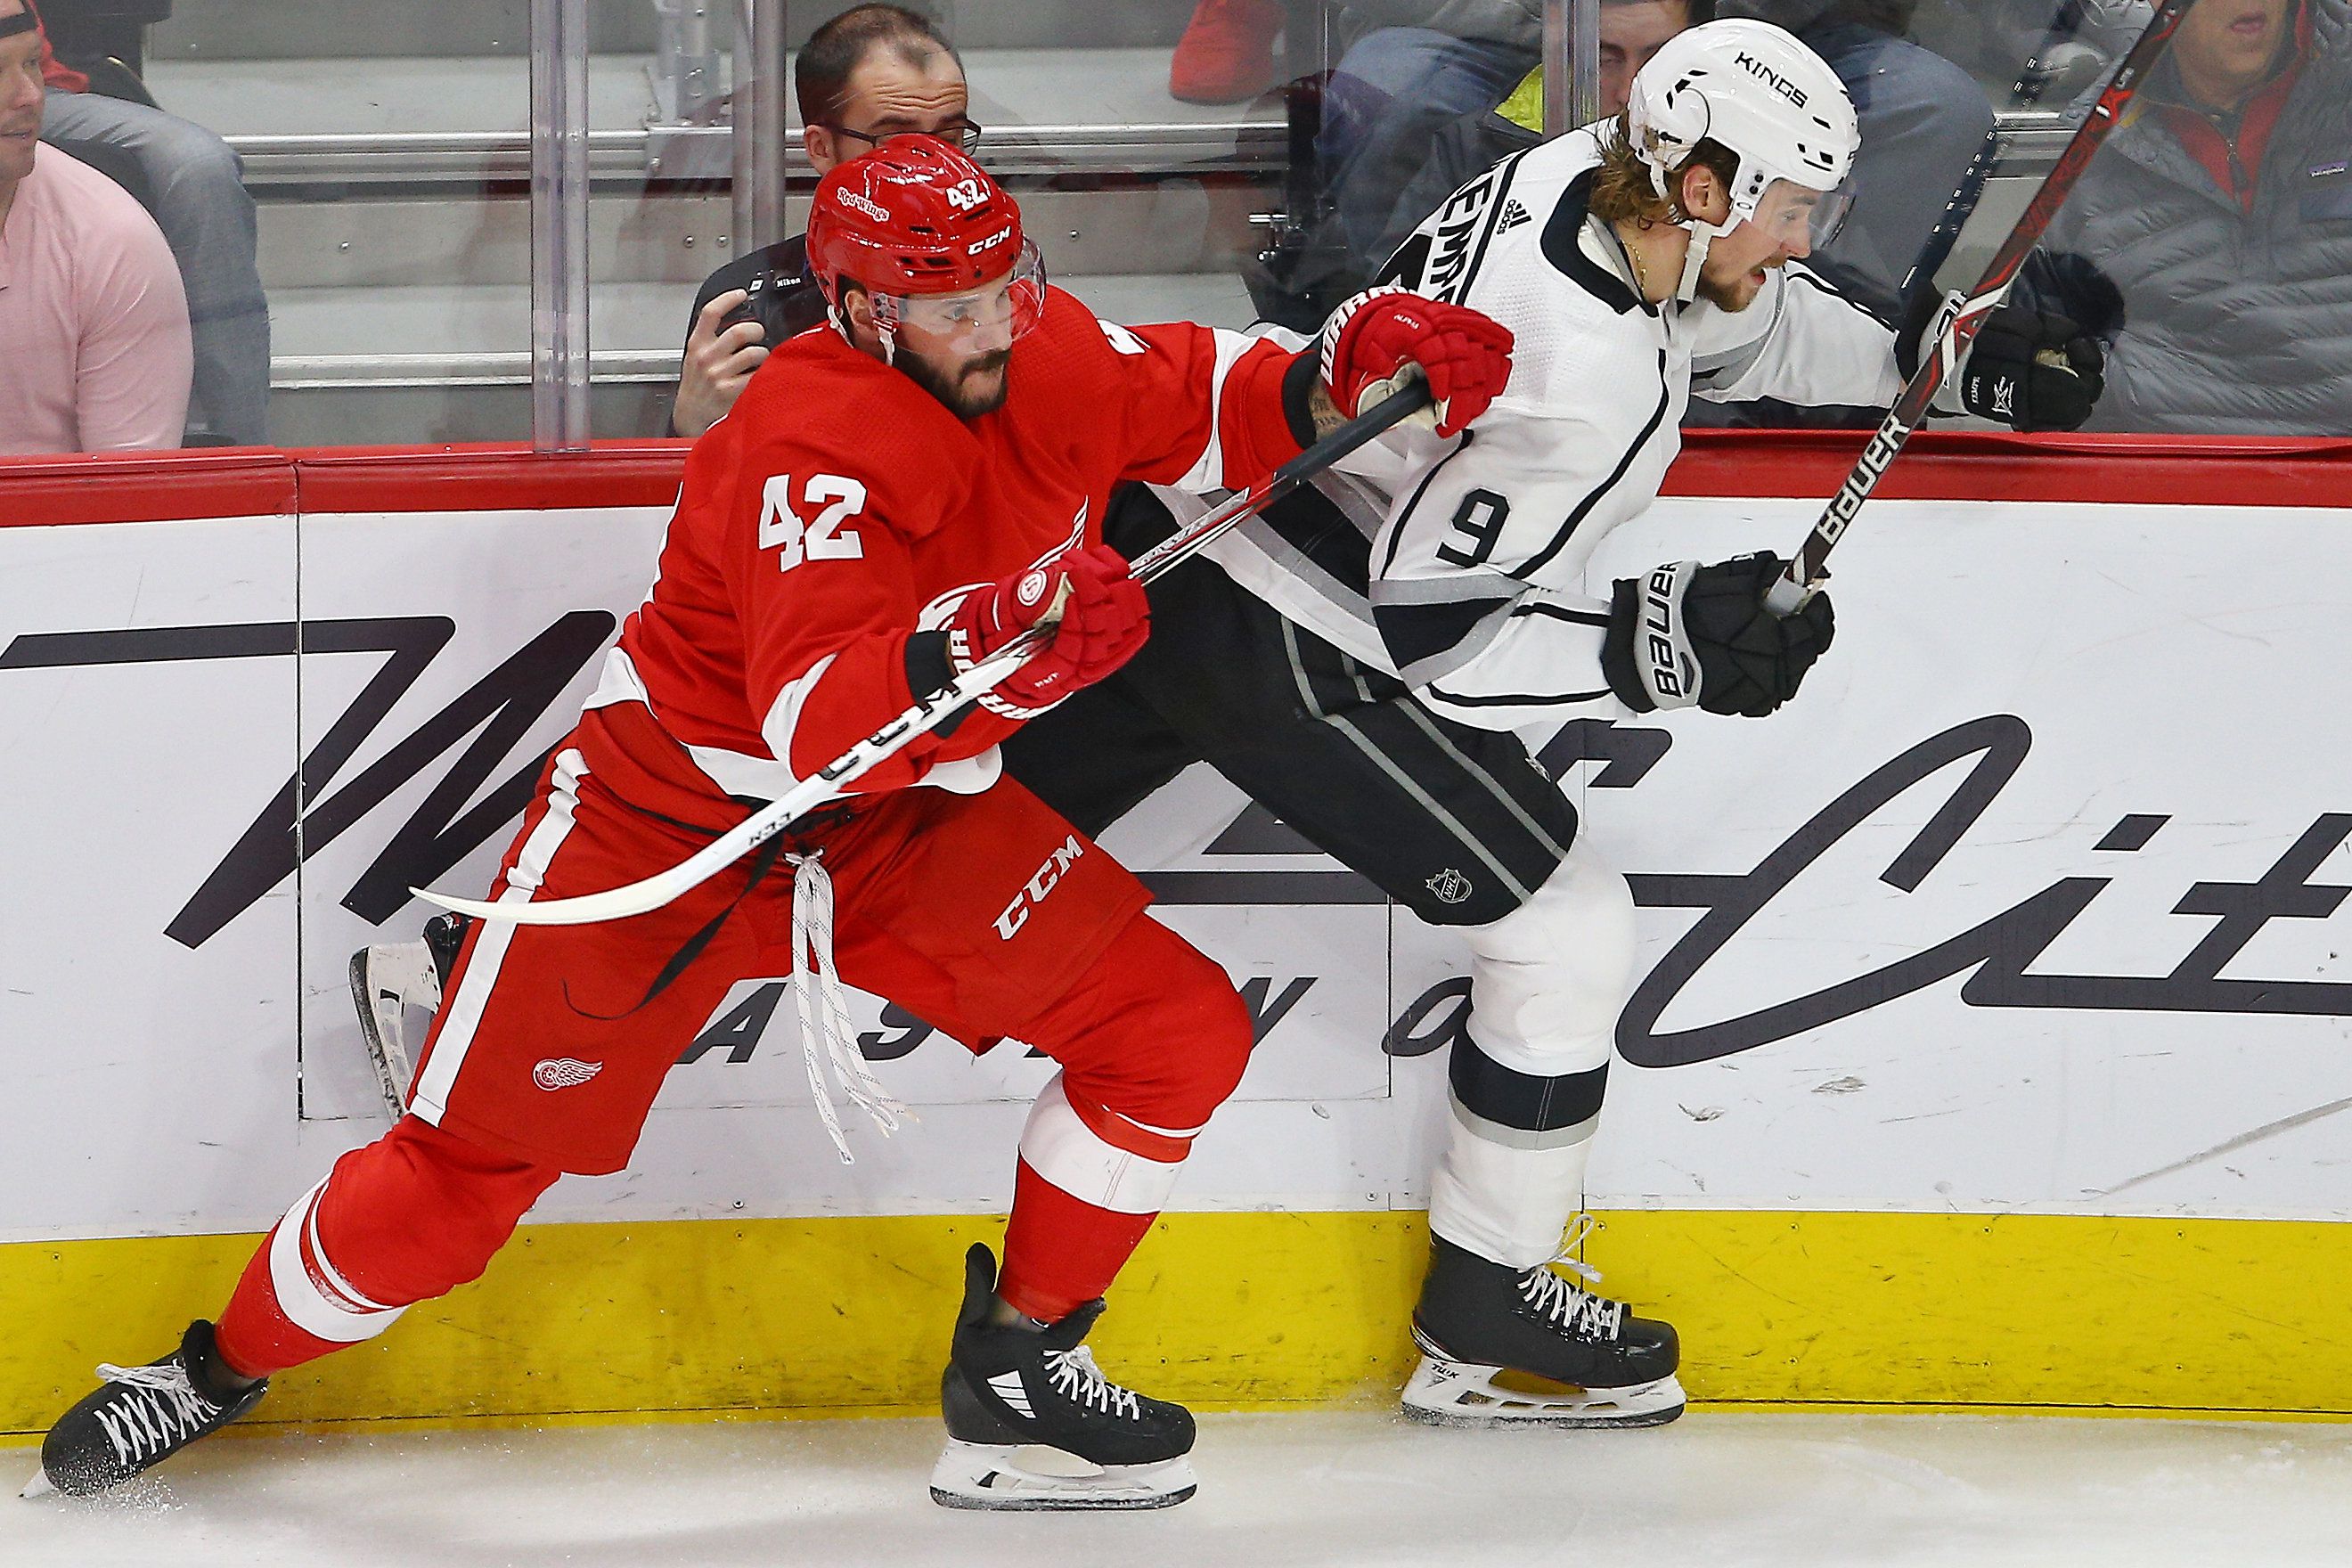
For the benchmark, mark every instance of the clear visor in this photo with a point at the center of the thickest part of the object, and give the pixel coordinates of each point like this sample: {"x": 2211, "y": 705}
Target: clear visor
{"x": 1799, "y": 219}
{"x": 995, "y": 315}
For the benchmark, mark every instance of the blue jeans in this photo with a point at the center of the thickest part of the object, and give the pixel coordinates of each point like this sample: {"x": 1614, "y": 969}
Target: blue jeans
{"x": 1389, "y": 96}
{"x": 1923, "y": 119}
{"x": 196, "y": 188}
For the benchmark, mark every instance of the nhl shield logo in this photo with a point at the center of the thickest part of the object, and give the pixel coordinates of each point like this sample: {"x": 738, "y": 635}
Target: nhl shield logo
{"x": 1450, "y": 885}
{"x": 563, "y": 1072}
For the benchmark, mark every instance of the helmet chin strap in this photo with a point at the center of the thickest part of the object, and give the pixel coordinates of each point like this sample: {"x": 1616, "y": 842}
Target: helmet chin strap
{"x": 882, "y": 329}
{"x": 1703, "y": 236}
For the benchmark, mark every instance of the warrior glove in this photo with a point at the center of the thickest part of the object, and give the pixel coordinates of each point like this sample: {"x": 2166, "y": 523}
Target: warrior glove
{"x": 1380, "y": 342}
{"x": 1103, "y": 619}
{"x": 2026, "y": 370}
{"x": 1685, "y": 634}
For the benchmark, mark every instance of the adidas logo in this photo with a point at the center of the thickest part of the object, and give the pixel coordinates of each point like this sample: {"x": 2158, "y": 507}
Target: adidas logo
{"x": 1513, "y": 215}
{"x": 1008, "y": 1388}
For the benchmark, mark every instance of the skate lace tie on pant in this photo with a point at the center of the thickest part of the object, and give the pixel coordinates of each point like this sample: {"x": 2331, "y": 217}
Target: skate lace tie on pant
{"x": 823, "y": 1013}
{"x": 1571, "y": 1306}
{"x": 1076, "y": 1377}
{"x": 161, "y": 1408}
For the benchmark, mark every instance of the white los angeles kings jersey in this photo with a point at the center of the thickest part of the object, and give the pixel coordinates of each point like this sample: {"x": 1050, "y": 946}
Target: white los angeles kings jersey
{"x": 1459, "y": 565}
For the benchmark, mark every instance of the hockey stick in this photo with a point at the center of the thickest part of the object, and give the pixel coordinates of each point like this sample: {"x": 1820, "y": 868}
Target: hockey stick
{"x": 928, "y": 713}
{"x": 1806, "y": 574}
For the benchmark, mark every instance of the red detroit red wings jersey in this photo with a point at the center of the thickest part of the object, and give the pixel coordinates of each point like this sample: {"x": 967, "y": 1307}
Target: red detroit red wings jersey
{"x": 840, "y": 507}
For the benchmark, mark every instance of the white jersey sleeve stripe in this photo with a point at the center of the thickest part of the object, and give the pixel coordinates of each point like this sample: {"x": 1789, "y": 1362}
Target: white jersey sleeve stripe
{"x": 1209, "y": 472}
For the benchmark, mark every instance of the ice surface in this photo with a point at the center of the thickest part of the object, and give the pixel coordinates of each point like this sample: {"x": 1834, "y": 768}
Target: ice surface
{"x": 1354, "y": 1487}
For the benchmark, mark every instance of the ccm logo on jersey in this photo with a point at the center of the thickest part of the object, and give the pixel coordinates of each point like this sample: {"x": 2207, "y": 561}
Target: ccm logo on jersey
{"x": 1771, "y": 77}
{"x": 1033, "y": 892}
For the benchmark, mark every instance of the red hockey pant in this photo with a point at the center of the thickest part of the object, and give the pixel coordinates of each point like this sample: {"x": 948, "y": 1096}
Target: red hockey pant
{"x": 543, "y": 1059}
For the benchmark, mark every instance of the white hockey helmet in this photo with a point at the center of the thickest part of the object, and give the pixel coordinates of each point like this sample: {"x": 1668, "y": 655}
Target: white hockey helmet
{"x": 1755, "y": 90}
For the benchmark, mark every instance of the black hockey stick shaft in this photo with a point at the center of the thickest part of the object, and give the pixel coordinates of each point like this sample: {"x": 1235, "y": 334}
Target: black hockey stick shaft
{"x": 1188, "y": 541}
{"x": 1810, "y": 569}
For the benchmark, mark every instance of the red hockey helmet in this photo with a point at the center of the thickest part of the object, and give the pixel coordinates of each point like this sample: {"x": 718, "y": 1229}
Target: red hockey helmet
{"x": 933, "y": 241}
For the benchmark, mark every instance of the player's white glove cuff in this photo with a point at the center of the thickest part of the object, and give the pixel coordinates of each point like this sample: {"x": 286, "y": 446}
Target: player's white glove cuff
{"x": 1663, "y": 659}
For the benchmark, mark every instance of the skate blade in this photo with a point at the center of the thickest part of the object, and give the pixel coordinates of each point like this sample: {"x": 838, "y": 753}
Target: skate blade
{"x": 382, "y": 981}
{"x": 1462, "y": 1394}
{"x": 39, "y": 1485}
{"x": 991, "y": 1476}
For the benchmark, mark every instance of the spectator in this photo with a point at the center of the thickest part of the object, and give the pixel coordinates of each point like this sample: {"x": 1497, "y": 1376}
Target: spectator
{"x": 1399, "y": 90}
{"x": 196, "y": 187}
{"x": 873, "y": 71}
{"x": 1226, "y": 55}
{"x": 93, "y": 322}
{"x": 2211, "y": 242}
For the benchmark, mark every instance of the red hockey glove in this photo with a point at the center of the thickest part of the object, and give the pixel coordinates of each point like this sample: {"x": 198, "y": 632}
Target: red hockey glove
{"x": 1383, "y": 339}
{"x": 1104, "y": 619}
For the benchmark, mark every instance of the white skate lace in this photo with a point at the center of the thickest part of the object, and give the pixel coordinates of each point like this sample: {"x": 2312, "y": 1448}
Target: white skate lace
{"x": 824, "y": 1013}
{"x": 160, "y": 1410}
{"x": 1076, "y": 1377}
{"x": 1573, "y": 1308}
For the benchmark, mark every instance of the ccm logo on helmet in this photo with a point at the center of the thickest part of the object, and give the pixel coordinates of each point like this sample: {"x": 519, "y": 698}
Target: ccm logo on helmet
{"x": 1771, "y": 77}
{"x": 992, "y": 242}
{"x": 1032, "y": 892}
{"x": 874, "y": 210}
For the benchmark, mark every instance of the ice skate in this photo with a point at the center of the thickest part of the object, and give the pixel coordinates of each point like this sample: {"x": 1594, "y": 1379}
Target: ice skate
{"x": 1502, "y": 1346}
{"x": 1007, "y": 1389}
{"x": 142, "y": 1415}
{"x": 387, "y": 980}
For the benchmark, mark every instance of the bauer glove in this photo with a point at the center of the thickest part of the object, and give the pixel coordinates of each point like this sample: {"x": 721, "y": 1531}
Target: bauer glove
{"x": 2026, "y": 370}
{"x": 1380, "y": 342}
{"x": 1685, "y": 634}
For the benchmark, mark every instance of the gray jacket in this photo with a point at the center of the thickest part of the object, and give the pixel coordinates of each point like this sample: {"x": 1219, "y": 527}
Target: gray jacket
{"x": 2227, "y": 321}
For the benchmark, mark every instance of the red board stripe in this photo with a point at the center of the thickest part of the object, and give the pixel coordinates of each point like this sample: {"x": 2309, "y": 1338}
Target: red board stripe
{"x": 145, "y": 487}
{"x": 2183, "y": 470}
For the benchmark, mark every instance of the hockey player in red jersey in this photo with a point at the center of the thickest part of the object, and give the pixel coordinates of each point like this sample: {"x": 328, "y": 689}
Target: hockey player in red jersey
{"x": 896, "y": 496}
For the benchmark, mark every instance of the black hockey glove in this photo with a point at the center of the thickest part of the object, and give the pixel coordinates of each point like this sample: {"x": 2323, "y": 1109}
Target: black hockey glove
{"x": 1686, "y": 633}
{"x": 2033, "y": 371}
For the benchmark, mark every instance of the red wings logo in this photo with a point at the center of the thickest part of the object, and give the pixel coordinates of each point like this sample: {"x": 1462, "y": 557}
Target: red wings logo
{"x": 563, "y": 1072}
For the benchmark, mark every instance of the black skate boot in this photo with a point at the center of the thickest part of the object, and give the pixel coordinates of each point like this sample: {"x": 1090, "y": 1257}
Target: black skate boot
{"x": 1571, "y": 1358}
{"x": 142, "y": 1415}
{"x": 1008, "y": 1387}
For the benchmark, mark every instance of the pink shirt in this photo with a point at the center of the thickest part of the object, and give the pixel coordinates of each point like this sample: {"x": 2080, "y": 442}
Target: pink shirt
{"x": 94, "y": 353}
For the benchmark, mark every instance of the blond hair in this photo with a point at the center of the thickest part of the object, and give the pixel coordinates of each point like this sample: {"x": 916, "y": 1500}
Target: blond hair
{"x": 1624, "y": 191}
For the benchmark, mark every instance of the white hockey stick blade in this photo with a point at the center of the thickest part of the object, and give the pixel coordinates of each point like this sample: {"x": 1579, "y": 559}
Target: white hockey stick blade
{"x": 664, "y": 887}
{"x": 667, "y": 887}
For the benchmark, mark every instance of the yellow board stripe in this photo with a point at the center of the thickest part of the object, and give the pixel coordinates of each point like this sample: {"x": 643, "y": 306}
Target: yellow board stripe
{"x": 851, "y": 1316}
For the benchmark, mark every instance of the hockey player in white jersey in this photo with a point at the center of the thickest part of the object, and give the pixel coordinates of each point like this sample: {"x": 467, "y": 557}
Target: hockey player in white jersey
{"x": 1433, "y": 602}
{"x": 1358, "y": 658}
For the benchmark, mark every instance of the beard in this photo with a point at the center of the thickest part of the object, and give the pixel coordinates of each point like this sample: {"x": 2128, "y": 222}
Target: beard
{"x": 1732, "y": 295}
{"x": 976, "y": 386}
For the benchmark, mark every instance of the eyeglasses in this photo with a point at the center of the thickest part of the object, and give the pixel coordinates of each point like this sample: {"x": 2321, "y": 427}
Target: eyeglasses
{"x": 964, "y": 134}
